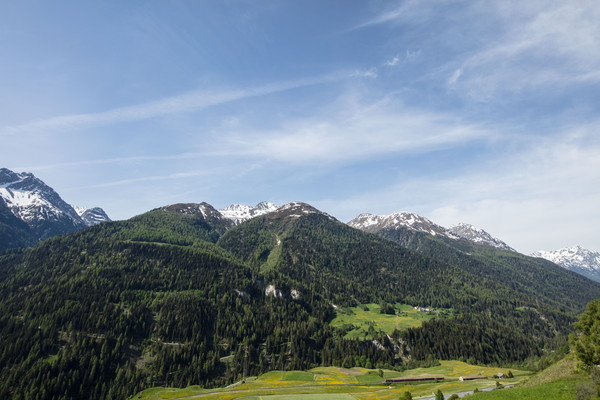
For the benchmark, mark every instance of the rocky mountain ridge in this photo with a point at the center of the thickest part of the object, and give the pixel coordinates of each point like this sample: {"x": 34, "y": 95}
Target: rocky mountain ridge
{"x": 372, "y": 223}
{"x": 478, "y": 235}
{"x": 39, "y": 206}
{"x": 31, "y": 211}
{"x": 376, "y": 223}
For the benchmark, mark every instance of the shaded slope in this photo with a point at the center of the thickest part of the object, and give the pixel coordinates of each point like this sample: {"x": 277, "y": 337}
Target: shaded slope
{"x": 537, "y": 278}
{"x": 13, "y": 231}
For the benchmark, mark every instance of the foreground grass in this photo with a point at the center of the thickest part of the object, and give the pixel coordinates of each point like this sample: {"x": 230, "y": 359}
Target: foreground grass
{"x": 558, "y": 382}
{"x": 562, "y": 389}
{"x": 565, "y": 368}
{"x": 332, "y": 383}
{"x": 361, "y": 321}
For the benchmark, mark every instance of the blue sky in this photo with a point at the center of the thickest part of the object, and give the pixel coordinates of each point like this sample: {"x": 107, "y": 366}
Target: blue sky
{"x": 485, "y": 112}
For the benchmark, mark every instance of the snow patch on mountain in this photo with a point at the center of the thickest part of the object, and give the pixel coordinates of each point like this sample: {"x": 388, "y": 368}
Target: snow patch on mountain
{"x": 239, "y": 213}
{"x": 408, "y": 220}
{"x": 39, "y": 206}
{"x": 297, "y": 209}
{"x": 374, "y": 223}
{"x": 30, "y": 199}
{"x": 92, "y": 216}
{"x": 204, "y": 209}
{"x": 478, "y": 235}
{"x": 575, "y": 258}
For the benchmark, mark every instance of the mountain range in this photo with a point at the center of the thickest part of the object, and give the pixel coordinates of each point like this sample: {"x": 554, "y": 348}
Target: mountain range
{"x": 575, "y": 258}
{"x": 411, "y": 221}
{"x": 31, "y": 211}
{"x": 403, "y": 226}
{"x": 184, "y": 295}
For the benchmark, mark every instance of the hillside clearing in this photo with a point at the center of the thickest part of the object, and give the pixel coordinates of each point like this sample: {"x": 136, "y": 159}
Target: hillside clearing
{"x": 363, "y": 320}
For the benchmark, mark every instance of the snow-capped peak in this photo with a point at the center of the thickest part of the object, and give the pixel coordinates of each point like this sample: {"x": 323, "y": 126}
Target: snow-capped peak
{"x": 408, "y": 220}
{"x": 92, "y": 216}
{"x": 297, "y": 209}
{"x": 573, "y": 258}
{"x": 478, "y": 235}
{"x": 32, "y": 200}
{"x": 239, "y": 213}
{"x": 374, "y": 223}
{"x": 38, "y": 205}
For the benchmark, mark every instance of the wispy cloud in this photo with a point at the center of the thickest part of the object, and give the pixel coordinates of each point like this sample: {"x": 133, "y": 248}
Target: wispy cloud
{"x": 354, "y": 131}
{"x": 112, "y": 161}
{"x": 405, "y": 10}
{"x": 369, "y": 73}
{"x": 152, "y": 178}
{"x": 543, "y": 193}
{"x": 183, "y": 103}
{"x": 545, "y": 43}
{"x": 392, "y": 62}
{"x": 399, "y": 60}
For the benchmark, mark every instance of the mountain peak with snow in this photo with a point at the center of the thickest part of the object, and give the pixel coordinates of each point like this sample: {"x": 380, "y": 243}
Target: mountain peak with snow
{"x": 576, "y": 259}
{"x": 92, "y": 216}
{"x": 477, "y": 235}
{"x": 374, "y": 223}
{"x": 296, "y": 209}
{"x": 40, "y": 207}
{"x": 239, "y": 213}
{"x": 414, "y": 222}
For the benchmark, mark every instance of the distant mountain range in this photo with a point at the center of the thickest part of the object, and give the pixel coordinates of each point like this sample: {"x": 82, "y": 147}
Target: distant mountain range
{"x": 407, "y": 220}
{"x": 399, "y": 226}
{"x": 31, "y": 211}
{"x": 576, "y": 258}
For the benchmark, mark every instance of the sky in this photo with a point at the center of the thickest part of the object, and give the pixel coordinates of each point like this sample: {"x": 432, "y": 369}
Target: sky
{"x": 484, "y": 112}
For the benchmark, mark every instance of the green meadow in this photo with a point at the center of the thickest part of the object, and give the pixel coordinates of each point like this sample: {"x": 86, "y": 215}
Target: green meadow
{"x": 333, "y": 383}
{"x": 361, "y": 321}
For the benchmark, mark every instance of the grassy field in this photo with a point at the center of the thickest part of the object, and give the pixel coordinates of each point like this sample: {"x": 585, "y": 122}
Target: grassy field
{"x": 361, "y": 321}
{"x": 563, "y": 389}
{"x": 332, "y": 383}
{"x": 558, "y": 382}
{"x": 272, "y": 258}
{"x": 304, "y": 397}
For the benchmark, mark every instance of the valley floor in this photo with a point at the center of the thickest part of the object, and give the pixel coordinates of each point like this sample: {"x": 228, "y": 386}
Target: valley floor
{"x": 331, "y": 383}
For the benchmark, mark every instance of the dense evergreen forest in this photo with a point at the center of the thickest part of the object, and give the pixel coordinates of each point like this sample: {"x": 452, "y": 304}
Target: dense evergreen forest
{"x": 178, "y": 298}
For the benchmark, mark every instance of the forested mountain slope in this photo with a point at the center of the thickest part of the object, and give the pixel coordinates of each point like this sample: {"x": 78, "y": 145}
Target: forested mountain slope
{"x": 178, "y": 296}
{"x": 13, "y": 231}
{"x": 349, "y": 266}
{"x": 533, "y": 276}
